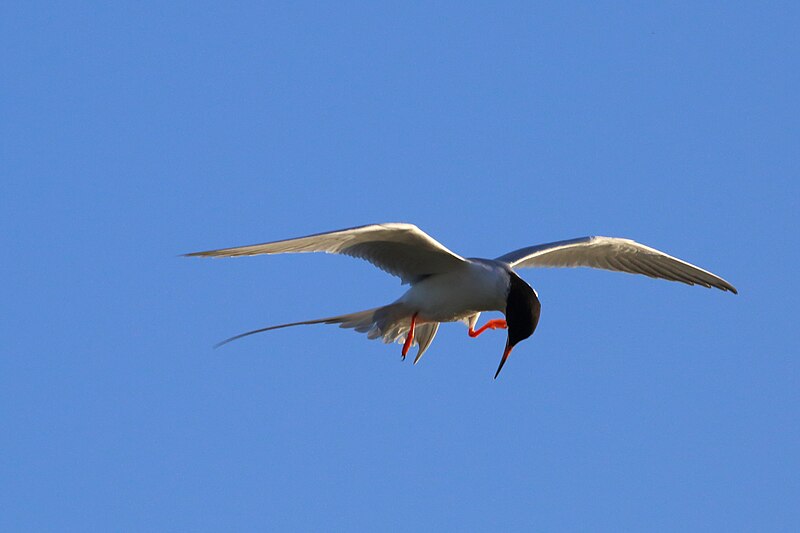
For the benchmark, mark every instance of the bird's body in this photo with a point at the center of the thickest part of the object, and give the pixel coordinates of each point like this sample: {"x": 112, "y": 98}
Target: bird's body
{"x": 445, "y": 287}
{"x": 477, "y": 285}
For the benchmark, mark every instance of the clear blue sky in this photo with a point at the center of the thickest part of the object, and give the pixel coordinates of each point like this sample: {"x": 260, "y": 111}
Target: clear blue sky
{"x": 132, "y": 133}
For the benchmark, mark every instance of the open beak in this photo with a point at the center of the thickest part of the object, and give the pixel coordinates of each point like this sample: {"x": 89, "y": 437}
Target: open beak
{"x": 506, "y": 353}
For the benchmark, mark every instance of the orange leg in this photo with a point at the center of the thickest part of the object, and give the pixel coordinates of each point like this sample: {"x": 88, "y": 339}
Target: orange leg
{"x": 492, "y": 324}
{"x": 407, "y": 344}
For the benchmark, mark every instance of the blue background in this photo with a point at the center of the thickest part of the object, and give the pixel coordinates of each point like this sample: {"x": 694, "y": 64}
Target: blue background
{"x": 132, "y": 133}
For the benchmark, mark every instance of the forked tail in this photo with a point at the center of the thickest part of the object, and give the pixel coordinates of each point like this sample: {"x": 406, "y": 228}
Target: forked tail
{"x": 389, "y": 323}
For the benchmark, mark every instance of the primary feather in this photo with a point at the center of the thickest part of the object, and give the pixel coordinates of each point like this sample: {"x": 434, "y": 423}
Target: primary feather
{"x": 400, "y": 249}
{"x": 612, "y": 253}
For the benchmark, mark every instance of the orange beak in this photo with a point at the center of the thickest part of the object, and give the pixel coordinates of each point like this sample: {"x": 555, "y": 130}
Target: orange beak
{"x": 503, "y": 360}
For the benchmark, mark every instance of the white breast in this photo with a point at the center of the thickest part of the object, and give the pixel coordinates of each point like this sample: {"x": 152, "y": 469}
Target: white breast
{"x": 478, "y": 286}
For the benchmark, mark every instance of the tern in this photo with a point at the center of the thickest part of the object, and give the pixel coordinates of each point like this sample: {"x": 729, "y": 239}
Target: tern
{"x": 445, "y": 287}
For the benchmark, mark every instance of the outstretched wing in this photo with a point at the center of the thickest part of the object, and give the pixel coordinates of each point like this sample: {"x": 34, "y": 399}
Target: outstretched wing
{"x": 400, "y": 249}
{"x": 611, "y": 253}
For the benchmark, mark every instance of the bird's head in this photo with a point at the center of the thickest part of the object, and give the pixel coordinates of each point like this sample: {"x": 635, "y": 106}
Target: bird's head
{"x": 522, "y": 314}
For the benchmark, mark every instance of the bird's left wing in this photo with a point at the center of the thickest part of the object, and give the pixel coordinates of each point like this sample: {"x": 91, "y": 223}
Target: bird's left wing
{"x": 611, "y": 253}
{"x": 400, "y": 249}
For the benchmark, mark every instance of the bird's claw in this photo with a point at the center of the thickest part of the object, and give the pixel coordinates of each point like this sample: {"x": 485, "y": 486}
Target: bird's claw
{"x": 497, "y": 323}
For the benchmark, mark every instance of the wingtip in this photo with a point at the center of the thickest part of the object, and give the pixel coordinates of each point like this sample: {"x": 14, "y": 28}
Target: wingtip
{"x": 725, "y": 287}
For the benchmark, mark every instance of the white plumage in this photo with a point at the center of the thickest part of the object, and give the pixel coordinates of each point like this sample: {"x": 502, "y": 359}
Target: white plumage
{"x": 446, "y": 287}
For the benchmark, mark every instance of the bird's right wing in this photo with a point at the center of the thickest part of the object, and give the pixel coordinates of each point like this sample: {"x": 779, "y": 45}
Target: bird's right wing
{"x": 612, "y": 253}
{"x": 400, "y": 249}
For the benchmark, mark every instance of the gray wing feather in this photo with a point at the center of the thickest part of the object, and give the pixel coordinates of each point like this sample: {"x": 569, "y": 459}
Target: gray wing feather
{"x": 611, "y": 253}
{"x": 400, "y": 249}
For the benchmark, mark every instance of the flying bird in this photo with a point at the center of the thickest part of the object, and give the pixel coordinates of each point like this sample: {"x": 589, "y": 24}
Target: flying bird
{"x": 445, "y": 287}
